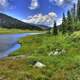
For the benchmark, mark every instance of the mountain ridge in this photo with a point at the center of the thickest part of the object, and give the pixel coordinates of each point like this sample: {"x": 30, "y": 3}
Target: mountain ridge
{"x": 9, "y": 22}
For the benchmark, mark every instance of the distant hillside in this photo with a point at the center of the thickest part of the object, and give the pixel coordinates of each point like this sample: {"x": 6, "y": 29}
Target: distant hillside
{"x": 44, "y": 27}
{"x": 10, "y": 22}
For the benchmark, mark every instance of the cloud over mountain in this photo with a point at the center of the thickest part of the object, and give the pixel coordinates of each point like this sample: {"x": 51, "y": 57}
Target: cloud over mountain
{"x": 42, "y": 19}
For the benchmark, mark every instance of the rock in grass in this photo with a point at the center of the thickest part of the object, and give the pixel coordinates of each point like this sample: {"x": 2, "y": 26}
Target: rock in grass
{"x": 39, "y": 65}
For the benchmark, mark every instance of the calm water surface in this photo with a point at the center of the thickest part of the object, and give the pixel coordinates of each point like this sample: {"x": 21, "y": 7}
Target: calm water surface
{"x": 9, "y": 43}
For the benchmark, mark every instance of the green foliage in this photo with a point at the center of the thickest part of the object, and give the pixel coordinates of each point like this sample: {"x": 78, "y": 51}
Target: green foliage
{"x": 75, "y": 37}
{"x": 49, "y": 31}
{"x": 69, "y": 22}
{"x": 55, "y": 29}
{"x": 72, "y": 22}
{"x": 76, "y": 26}
{"x": 15, "y": 31}
{"x": 78, "y": 10}
{"x": 64, "y": 25}
{"x": 73, "y": 12}
{"x": 37, "y": 48}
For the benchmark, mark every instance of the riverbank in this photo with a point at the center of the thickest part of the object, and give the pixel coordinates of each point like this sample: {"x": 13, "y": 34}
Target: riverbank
{"x": 15, "y": 31}
{"x": 61, "y": 66}
{"x": 9, "y": 42}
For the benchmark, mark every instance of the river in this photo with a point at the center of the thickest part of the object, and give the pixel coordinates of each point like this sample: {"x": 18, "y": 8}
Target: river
{"x": 9, "y": 43}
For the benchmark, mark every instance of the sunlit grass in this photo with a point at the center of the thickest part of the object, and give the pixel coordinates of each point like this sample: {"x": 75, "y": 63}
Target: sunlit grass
{"x": 36, "y": 48}
{"x": 15, "y": 31}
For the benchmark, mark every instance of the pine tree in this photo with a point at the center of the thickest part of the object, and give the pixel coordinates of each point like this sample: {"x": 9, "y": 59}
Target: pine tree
{"x": 74, "y": 16}
{"x": 73, "y": 12}
{"x": 55, "y": 29}
{"x": 78, "y": 10}
{"x": 49, "y": 31}
{"x": 69, "y": 22}
{"x": 64, "y": 25}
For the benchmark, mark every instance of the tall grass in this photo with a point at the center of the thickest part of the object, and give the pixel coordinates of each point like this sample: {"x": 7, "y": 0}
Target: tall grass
{"x": 36, "y": 48}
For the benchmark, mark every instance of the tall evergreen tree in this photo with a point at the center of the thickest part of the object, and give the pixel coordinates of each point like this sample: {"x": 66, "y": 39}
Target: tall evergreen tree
{"x": 69, "y": 22}
{"x": 49, "y": 31}
{"x": 73, "y": 12}
{"x": 64, "y": 25}
{"x": 78, "y": 10}
{"x": 74, "y": 16}
{"x": 55, "y": 29}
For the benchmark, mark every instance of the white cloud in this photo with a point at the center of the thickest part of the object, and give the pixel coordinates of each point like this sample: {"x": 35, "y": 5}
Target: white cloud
{"x": 34, "y": 4}
{"x": 3, "y": 3}
{"x": 59, "y": 21}
{"x": 58, "y": 2}
{"x": 41, "y": 19}
{"x": 62, "y": 2}
{"x": 6, "y": 4}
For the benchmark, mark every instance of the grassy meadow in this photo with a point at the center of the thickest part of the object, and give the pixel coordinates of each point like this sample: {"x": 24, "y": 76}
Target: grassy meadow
{"x": 58, "y": 50}
{"x": 15, "y": 31}
{"x": 64, "y": 66}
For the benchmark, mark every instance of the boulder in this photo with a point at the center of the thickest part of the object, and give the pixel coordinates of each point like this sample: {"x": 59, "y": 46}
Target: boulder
{"x": 39, "y": 65}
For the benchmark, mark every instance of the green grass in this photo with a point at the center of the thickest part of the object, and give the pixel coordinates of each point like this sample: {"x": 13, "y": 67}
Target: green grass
{"x": 60, "y": 67}
{"x": 15, "y": 31}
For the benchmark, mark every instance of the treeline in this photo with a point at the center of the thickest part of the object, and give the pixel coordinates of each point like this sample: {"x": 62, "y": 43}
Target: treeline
{"x": 70, "y": 23}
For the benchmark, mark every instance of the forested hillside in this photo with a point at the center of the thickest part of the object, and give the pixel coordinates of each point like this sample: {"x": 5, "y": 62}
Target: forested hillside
{"x": 10, "y": 22}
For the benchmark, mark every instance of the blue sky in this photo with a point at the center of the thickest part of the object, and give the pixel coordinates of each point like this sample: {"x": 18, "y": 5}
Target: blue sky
{"x": 25, "y": 9}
